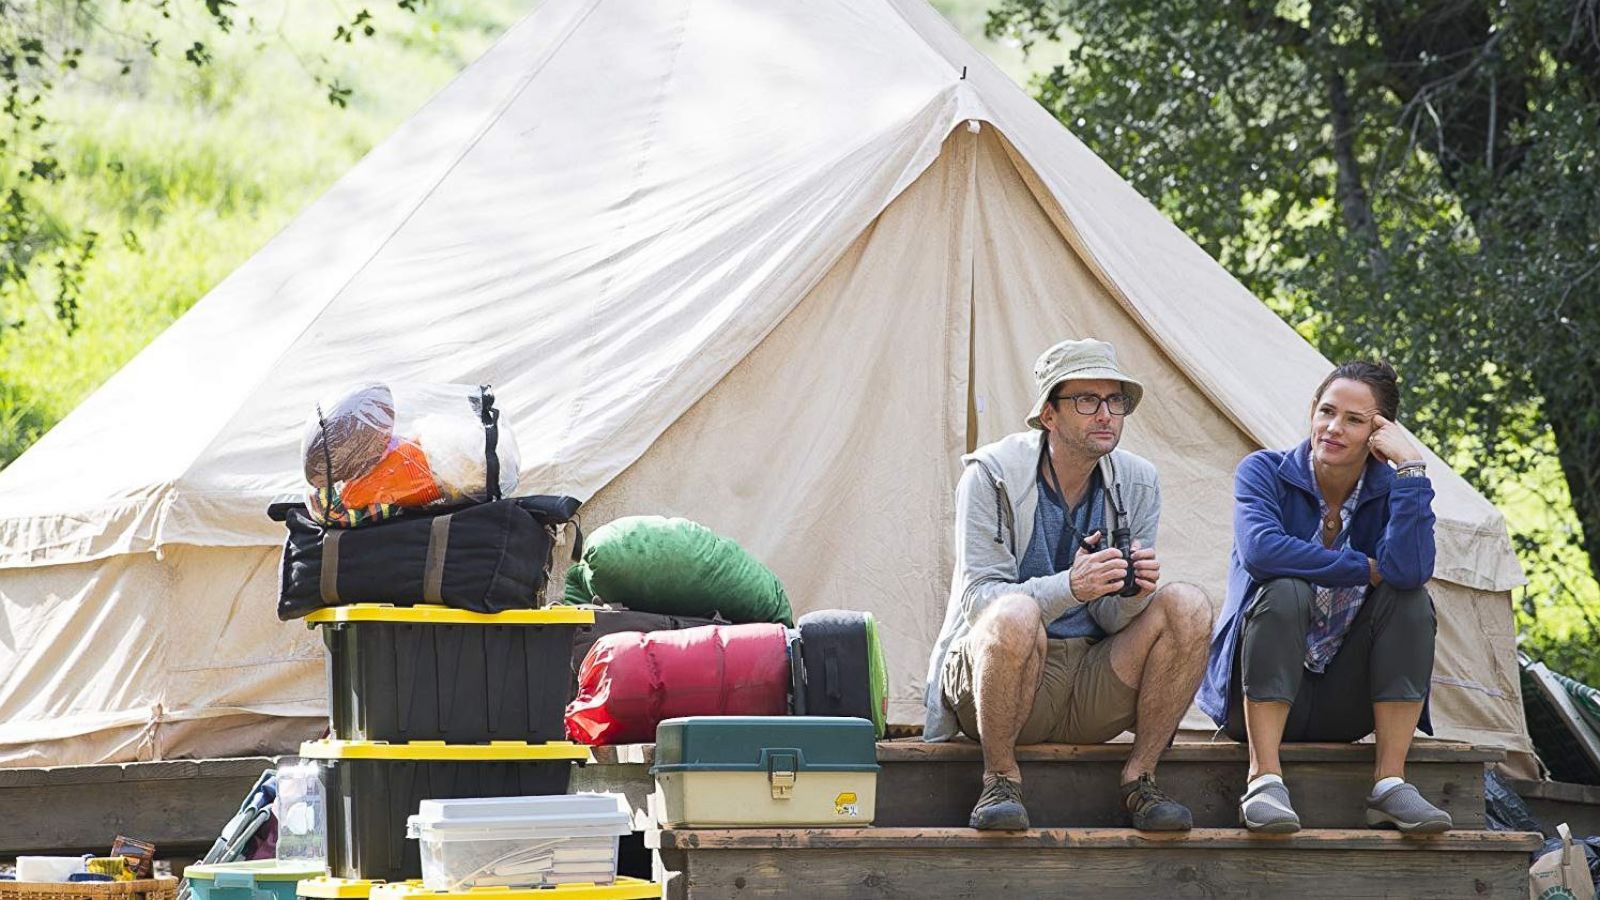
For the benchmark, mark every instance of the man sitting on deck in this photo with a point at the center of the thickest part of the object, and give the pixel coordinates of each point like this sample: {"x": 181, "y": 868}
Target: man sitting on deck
{"x": 1038, "y": 644}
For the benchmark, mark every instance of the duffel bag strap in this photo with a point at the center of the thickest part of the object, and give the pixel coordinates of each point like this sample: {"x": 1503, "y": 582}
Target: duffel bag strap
{"x": 433, "y": 563}
{"x": 491, "y": 440}
{"x": 328, "y": 578}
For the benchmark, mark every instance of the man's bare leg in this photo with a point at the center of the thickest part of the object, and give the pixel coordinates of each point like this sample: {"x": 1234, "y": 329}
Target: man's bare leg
{"x": 1008, "y": 648}
{"x": 1162, "y": 655}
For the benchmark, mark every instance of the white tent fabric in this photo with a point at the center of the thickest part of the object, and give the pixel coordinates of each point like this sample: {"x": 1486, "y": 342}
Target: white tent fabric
{"x": 771, "y": 266}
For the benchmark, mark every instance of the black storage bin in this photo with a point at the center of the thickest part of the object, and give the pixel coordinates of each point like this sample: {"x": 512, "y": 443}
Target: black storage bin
{"x": 433, "y": 673}
{"x": 370, "y": 790}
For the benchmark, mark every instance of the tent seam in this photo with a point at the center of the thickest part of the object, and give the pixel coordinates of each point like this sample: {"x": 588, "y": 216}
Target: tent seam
{"x": 650, "y": 132}
{"x": 823, "y": 270}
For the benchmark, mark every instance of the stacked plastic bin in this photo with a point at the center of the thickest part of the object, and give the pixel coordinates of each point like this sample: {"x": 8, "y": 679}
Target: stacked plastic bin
{"x": 436, "y": 703}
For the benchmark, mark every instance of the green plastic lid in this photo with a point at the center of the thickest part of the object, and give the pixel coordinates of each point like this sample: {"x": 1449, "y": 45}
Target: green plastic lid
{"x": 757, "y": 743}
{"x": 257, "y": 870}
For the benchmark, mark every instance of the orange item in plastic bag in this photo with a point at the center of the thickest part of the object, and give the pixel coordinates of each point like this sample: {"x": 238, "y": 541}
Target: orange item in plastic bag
{"x": 401, "y": 477}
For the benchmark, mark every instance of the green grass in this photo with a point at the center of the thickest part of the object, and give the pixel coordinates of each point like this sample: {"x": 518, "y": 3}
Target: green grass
{"x": 184, "y": 171}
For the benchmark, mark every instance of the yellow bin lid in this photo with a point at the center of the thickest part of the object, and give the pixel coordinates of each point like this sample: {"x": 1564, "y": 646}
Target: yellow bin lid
{"x": 439, "y": 751}
{"x": 328, "y": 888}
{"x": 448, "y": 615}
{"x": 624, "y": 889}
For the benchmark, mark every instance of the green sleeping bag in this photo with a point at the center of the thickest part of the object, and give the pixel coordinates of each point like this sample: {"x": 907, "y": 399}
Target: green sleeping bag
{"x": 675, "y": 567}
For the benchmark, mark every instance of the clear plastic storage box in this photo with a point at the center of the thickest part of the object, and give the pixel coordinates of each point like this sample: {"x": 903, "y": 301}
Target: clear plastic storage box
{"x": 519, "y": 842}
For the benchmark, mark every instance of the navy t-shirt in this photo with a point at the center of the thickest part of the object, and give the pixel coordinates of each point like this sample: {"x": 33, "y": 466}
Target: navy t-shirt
{"x": 1053, "y": 523}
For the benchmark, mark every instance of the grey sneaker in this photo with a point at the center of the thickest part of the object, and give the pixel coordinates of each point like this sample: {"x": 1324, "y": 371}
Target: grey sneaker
{"x": 1266, "y": 809}
{"x": 999, "y": 806}
{"x": 1402, "y": 807}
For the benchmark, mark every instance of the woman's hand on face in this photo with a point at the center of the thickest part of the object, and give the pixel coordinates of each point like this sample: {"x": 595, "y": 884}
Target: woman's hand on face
{"x": 1390, "y": 444}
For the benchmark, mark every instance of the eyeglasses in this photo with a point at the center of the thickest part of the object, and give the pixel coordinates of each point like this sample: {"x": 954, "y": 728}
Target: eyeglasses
{"x": 1089, "y": 404}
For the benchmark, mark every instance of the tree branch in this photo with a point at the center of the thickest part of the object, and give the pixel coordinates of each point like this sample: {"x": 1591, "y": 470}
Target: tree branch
{"x": 1351, "y": 192}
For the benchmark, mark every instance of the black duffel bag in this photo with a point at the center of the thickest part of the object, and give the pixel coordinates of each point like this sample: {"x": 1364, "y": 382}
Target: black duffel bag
{"x": 487, "y": 557}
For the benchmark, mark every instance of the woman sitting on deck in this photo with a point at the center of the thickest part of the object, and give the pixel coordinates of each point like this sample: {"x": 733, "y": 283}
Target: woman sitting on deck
{"x": 1328, "y": 631}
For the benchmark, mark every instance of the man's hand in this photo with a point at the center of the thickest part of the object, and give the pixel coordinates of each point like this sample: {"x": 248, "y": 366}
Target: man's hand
{"x": 1096, "y": 573}
{"x": 1146, "y": 570}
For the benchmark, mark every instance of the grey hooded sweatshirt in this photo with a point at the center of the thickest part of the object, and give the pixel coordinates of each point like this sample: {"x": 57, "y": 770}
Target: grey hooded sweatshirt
{"x": 996, "y": 499}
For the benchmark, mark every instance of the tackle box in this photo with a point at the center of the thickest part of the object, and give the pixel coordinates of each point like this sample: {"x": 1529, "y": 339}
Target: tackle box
{"x": 372, "y": 788}
{"x": 519, "y": 842}
{"x": 760, "y": 771}
{"x": 435, "y": 673}
{"x": 257, "y": 879}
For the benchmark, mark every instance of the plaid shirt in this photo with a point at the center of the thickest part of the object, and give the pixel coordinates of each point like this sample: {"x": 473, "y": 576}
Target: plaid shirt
{"x": 1335, "y": 607}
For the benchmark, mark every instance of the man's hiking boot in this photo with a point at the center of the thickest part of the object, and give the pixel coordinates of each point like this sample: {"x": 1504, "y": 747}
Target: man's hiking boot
{"x": 1402, "y": 807}
{"x": 1153, "y": 810}
{"x": 999, "y": 806}
{"x": 1265, "y": 809}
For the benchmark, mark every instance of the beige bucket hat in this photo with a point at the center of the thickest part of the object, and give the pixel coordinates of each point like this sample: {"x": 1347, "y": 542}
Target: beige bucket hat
{"x": 1085, "y": 360}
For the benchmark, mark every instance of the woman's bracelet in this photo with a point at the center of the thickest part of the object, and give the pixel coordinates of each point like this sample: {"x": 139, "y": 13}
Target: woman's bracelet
{"x": 1415, "y": 468}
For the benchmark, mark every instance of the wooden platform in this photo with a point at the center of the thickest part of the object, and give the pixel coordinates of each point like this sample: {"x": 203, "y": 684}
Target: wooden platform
{"x": 1075, "y": 786}
{"x": 922, "y": 848}
{"x": 1090, "y": 863}
{"x": 1554, "y": 802}
{"x": 179, "y": 805}
{"x": 1081, "y": 846}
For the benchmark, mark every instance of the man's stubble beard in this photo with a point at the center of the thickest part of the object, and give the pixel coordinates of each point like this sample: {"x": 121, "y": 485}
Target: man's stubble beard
{"x": 1080, "y": 446}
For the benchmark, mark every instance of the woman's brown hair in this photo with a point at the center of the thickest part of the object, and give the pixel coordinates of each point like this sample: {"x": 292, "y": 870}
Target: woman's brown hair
{"x": 1380, "y": 377}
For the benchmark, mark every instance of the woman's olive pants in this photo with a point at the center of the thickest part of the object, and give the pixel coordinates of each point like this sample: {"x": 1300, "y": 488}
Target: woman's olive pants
{"x": 1386, "y": 655}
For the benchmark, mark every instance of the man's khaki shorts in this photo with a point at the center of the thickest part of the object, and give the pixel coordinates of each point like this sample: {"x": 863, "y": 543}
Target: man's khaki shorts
{"x": 1079, "y": 701}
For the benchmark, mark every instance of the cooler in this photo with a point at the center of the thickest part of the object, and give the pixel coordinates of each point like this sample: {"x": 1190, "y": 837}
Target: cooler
{"x": 259, "y": 879}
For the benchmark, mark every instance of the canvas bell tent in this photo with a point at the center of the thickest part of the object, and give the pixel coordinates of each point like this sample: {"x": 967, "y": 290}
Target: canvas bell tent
{"x": 770, "y": 266}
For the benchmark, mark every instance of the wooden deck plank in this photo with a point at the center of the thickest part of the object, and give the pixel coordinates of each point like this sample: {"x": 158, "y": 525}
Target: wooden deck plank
{"x": 1085, "y": 792}
{"x": 1203, "y": 839}
{"x": 1268, "y": 872}
{"x": 180, "y": 805}
{"x": 1068, "y": 785}
{"x": 915, "y": 750}
{"x": 1556, "y": 790}
{"x": 1221, "y": 752}
{"x": 1554, "y": 802}
{"x": 164, "y": 770}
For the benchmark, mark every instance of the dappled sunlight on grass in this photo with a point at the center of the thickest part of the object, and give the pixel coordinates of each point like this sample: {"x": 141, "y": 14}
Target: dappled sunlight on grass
{"x": 184, "y": 172}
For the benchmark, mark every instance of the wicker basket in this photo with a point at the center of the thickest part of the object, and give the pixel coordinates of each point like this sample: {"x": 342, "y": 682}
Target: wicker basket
{"x": 142, "y": 889}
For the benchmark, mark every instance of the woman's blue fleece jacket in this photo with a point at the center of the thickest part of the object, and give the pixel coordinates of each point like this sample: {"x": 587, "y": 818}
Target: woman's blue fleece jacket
{"x": 1276, "y": 516}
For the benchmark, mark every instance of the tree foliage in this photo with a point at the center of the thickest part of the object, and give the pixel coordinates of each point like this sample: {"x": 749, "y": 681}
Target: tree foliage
{"x": 1412, "y": 179}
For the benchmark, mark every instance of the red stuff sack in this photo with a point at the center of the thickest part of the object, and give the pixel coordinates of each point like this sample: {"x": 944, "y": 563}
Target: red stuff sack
{"x": 632, "y": 680}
